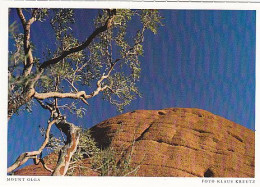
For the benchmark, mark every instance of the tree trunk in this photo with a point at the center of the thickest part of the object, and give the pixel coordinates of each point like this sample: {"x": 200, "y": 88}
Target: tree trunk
{"x": 73, "y": 133}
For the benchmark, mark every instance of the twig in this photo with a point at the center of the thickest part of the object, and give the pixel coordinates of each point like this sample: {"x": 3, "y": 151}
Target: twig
{"x": 45, "y": 166}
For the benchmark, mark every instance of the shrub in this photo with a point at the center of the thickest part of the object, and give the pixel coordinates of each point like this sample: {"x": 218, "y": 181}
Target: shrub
{"x": 105, "y": 162}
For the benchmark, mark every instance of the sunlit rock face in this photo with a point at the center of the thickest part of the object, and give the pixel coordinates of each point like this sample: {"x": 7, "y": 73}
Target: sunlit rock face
{"x": 177, "y": 142}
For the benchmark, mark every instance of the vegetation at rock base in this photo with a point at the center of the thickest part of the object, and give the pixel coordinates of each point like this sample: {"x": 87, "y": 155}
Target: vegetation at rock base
{"x": 105, "y": 162}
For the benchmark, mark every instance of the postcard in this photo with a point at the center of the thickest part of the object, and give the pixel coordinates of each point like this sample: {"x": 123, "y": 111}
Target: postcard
{"x": 129, "y": 93}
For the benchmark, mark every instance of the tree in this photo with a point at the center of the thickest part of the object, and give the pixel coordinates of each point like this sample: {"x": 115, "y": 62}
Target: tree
{"x": 58, "y": 79}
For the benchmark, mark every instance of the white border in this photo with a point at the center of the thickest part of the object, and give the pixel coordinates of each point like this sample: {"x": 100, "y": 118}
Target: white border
{"x": 110, "y": 181}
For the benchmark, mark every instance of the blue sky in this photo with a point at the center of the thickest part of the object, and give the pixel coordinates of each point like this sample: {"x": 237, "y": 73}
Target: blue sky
{"x": 200, "y": 59}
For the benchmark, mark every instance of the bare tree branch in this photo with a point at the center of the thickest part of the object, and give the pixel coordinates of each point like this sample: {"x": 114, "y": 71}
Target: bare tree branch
{"x": 48, "y": 107}
{"x": 78, "y": 95}
{"x": 71, "y": 84}
{"x": 27, "y": 155}
{"x": 84, "y": 45}
{"x": 28, "y": 63}
{"x": 21, "y": 16}
{"x": 40, "y": 160}
{"x": 45, "y": 166}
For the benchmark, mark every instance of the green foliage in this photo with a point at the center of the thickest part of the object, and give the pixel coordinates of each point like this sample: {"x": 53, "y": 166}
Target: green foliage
{"x": 61, "y": 22}
{"x": 87, "y": 146}
{"x": 123, "y": 87}
{"x": 111, "y": 48}
{"x": 107, "y": 164}
{"x": 104, "y": 162}
{"x": 54, "y": 144}
{"x": 12, "y": 28}
{"x": 109, "y": 65}
{"x": 74, "y": 109}
{"x": 17, "y": 57}
{"x": 151, "y": 19}
{"x": 42, "y": 14}
{"x": 115, "y": 46}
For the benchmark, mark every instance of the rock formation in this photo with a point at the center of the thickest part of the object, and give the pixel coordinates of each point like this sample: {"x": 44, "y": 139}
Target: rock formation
{"x": 178, "y": 142}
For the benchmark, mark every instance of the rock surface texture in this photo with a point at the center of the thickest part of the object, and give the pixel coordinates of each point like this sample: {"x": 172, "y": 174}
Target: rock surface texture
{"x": 177, "y": 142}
